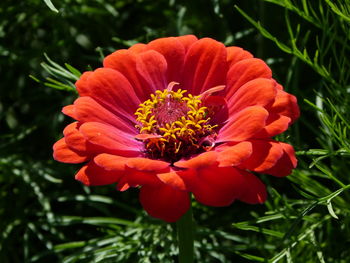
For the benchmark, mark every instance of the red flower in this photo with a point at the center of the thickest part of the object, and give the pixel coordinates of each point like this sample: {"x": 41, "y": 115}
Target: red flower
{"x": 180, "y": 115}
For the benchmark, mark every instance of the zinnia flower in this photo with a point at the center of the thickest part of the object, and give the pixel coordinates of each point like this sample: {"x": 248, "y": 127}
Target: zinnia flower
{"x": 177, "y": 116}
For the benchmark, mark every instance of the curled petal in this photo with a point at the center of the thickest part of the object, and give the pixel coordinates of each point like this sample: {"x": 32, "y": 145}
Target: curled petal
{"x": 285, "y": 164}
{"x": 285, "y": 104}
{"x": 69, "y": 110}
{"x": 265, "y": 154}
{"x": 92, "y": 174}
{"x": 173, "y": 179}
{"x": 145, "y": 164}
{"x": 62, "y": 153}
{"x": 111, "y": 162}
{"x": 164, "y": 202}
{"x": 275, "y": 124}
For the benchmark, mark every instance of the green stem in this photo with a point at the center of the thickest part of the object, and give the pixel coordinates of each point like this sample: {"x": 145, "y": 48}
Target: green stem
{"x": 185, "y": 235}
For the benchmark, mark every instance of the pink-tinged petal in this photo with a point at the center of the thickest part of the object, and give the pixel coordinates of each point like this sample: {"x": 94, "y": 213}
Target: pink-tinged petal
{"x": 92, "y": 174}
{"x": 285, "y": 104}
{"x": 200, "y": 161}
{"x": 69, "y": 110}
{"x": 173, "y": 179}
{"x": 62, "y": 153}
{"x": 244, "y": 124}
{"x": 254, "y": 190}
{"x": 174, "y": 53}
{"x": 146, "y": 165}
{"x": 275, "y": 124}
{"x": 235, "y": 154}
{"x": 265, "y": 155}
{"x": 216, "y": 186}
{"x": 153, "y": 68}
{"x": 111, "y": 162}
{"x": 75, "y": 139}
{"x": 88, "y": 110}
{"x": 110, "y": 139}
{"x": 259, "y": 92}
{"x": 285, "y": 164}
{"x": 164, "y": 202}
{"x": 236, "y": 54}
{"x": 245, "y": 71}
{"x": 187, "y": 41}
{"x": 205, "y": 66}
{"x": 113, "y": 91}
{"x": 125, "y": 62}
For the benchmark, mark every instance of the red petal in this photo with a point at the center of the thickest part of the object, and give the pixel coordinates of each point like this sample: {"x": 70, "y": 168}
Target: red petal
{"x": 88, "y": 110}
{"x": 75, "y": 139}
{"x": 152, "y": 66}
{"x": 254, "y": 190}
{"x": 174, "y": 53}
{"x": 173, "y": 179}
{"x": 92, "y": 174}
{"x": 138, "y": 48}
{"x": 113, "y": 91}
{"x": 146, "y": 165}
{"x": 244, "y": 124}
{"x": 111, "y": 162}
{"x": 205, "y": 66}
{"x": 216, "y": 186}
{"x": 82, "y": 83}
{"x": 125, "y": 62}
{"x": 62, "y": 153}
{"x": 200, "y": 161}
{"x": 275, "y": 124}
{"x": 285, "y": 164}
{"x": 187, "y": 41}
{"x": 234, "y": 155}
{"x": 245, "y": 71}
{"x": 285, "y": 104}
{"x": 69, "y": 110}
{"x": 236, "y": 54}
{"x": 265, "y": 155}
{"x": 110, "y": 139}
{"x": 258, "y": 92}
{"x": 164, "y": 202}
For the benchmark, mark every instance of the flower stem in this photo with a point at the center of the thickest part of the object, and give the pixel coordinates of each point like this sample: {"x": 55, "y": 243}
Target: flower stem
{"x": 185, "y": 235}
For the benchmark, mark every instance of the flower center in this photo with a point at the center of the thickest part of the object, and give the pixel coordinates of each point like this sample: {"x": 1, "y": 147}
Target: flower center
{"x": 174, "y": 125}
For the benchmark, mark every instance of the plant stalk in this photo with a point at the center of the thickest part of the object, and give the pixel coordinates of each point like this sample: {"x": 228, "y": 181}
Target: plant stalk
{"x": 185, "y": 236}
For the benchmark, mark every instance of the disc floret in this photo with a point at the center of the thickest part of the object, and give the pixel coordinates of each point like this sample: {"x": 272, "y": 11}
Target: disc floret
{"x": 177, "y": 125}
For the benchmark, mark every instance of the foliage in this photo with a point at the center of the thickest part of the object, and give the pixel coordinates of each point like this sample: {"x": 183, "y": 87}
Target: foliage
{"x": 45, "y": 215}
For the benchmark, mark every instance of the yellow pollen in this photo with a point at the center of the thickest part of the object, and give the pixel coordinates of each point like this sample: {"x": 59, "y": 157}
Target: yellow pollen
{"x": 180, "y": 122}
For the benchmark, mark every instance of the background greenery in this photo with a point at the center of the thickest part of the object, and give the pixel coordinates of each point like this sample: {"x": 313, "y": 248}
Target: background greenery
{"x": 46, "y": 216}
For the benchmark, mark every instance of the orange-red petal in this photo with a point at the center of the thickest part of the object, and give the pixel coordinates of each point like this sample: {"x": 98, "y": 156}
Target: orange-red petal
{"x": 62, "y": 153}
{"x": 234, "y": 155}
{"x": 205, "y": 66}
{"x": 236, "y": 54}
{"x": 200, "y": 161}
{"x": 92, "y": 174}
{"x": 244, "y": 124}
